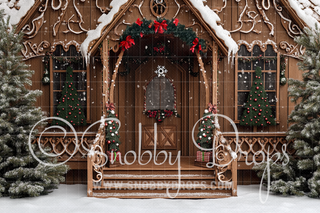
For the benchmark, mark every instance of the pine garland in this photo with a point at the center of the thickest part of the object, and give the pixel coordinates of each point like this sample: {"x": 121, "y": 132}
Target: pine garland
{"x": 146, "y": 27}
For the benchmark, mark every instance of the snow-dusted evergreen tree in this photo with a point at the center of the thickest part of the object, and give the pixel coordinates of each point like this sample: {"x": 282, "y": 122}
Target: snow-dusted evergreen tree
{"x": 302, "y": 174}
{"x": 21, "y": 174}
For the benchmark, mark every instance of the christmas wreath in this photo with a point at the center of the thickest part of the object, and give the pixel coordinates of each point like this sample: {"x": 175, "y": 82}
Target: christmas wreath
{"x": 161, "y": 114}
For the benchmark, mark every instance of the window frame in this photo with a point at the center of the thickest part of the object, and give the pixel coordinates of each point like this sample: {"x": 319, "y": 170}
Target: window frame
{"x": 172, "y": 85}
{"x": 277, "y": 71}
{"x": 52, "y": 71}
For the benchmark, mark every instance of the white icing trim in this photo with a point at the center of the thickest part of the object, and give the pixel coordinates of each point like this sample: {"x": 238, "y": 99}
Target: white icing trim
{"x": 104, "y": 20}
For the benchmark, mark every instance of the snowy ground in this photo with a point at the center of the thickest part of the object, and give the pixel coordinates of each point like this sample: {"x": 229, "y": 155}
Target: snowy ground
{"x": 72, "y": 199}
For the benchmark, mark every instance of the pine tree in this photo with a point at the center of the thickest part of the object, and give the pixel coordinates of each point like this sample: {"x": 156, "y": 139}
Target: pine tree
{"x": 21, "y": 174}
{"x": 112, "y": 135}
{"x": 205, "y": 134}
{"x": 258, "y": 111}
{"x": 69, "y": 106}
{"x": 302, "y": 174}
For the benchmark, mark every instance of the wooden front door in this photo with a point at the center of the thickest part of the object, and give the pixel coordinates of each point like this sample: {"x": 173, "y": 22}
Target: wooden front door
{"x": 155, "y": 92}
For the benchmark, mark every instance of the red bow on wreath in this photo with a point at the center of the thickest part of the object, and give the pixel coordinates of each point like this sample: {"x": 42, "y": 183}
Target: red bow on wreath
{"x": 195, "y": 43}
{"x": 212, "y": 108}
{"x": 110, "y": 106}
{"x": 138, "y": 22}
{"x": 160, "y": 49}
{"x": 176, "y": 21}
{"x": 127, "y": 43}
{"x": 159, "y": 27}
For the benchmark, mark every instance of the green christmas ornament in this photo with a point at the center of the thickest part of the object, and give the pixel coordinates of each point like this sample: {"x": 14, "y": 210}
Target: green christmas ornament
{"x": 257, "y": 111}
{"x": 69, "y": 106}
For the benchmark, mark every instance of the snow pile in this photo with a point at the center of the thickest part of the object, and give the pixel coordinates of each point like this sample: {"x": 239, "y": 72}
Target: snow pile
{"x": 307, "y": 10}
{"x": 73, "y": 198}
{"x": 104, "y": 20}
{"x": 211, "y": 18}
{"x": 9, "y": 7}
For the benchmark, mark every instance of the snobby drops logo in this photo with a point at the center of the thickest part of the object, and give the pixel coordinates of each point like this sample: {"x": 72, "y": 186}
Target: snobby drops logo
{"x": 177, "y": 184}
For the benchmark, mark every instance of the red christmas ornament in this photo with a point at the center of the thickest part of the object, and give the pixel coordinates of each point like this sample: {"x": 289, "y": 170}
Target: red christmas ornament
{"x": 255, "y": 116}
{"x": 267, "y": 105}
{"x": 66, "y": 116}
{"x": 255, "y": 82}
{"x": 261, "y": 124}
{"x": 259, "y": 113}
{"x": 69, "y": 85}
{"x": 141, "y": 35}
{"x": 259, "y": 95}
{"x": 251, "y": 119}
{"x": 248, "y": 112}
{"x": 259, "y": 105}
{"x": 255, "y": 99}
{"x": 260, "y": 83}
{"x": 257, "y": 88}
{"x": 69, "y": 113}
{"x": 266, "y": 119}
{"x": 109, "y": 142}
{"x": 79, "y": 113}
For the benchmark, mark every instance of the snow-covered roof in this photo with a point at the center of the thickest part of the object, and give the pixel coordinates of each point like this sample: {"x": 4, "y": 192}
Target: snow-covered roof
{"x": 209, "y": 16}
{"x": 16, "y": 9}
{"x": 307, "y": 10}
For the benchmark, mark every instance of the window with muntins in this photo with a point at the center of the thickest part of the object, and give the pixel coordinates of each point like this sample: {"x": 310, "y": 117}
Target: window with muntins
{"x": 246, "y": 63}
{"x": 59, "y": 62}
{"x": 160, "y": 94}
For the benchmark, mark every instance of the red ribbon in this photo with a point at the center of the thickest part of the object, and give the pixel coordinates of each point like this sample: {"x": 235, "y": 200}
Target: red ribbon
{"x": 195, "y": 43}
{"x": 212, "y": 108}
{"x": 110, "y": 106}
{"x": 138, "y": 22}
{"x": 160, "y": 49}
{"x": 160, "y": 27}
{"x": 127, "y": 43}
{"x": 176, "y": 21}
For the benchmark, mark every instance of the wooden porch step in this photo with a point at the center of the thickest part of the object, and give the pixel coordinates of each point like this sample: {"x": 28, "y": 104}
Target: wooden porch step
{"x": 152, "y": 181}
{"x": 156, "y": 177}
{"x": 159, "y": 185}
{"x": 162, "y": 193}
{"x": 157, "y": 172}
